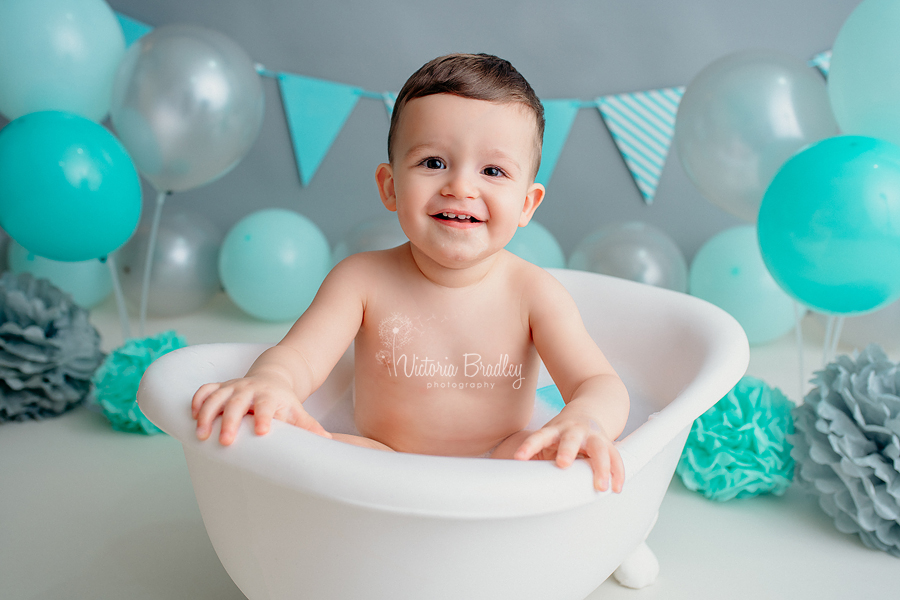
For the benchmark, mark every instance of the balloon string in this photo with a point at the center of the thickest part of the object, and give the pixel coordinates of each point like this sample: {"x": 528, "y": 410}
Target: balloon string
{"x": 120, "y": 298}
{"x": 837, "y": 337}
{"x": 798, "y": 316}
{"x": 148, "y": 263}
{"x": 826, "y": 344}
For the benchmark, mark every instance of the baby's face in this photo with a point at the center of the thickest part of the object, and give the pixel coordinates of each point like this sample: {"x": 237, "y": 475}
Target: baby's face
{"x": 462, "y": 177}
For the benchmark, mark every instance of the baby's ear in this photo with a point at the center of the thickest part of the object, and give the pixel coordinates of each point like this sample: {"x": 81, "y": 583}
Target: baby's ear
{"x": 384, "y": 178}
{"x": 533, "y": 199}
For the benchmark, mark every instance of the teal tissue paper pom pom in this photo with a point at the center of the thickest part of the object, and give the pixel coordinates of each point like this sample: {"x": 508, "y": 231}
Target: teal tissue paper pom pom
{"x": 115, "y": 384}
{"x": 847, "y": 446}
{"x": 739, "y": 447}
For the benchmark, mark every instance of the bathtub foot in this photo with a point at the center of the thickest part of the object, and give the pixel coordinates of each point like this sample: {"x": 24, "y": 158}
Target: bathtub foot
{"x": 638, "y": 570}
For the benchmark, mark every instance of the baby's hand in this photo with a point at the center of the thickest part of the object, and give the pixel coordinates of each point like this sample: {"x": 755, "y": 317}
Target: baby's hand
{"x": 265, "y": 397}
{"x": 566, "y": 438}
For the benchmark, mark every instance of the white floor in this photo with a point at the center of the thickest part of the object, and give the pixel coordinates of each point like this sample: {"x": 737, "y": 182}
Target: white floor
{"x": 89, "y": 513}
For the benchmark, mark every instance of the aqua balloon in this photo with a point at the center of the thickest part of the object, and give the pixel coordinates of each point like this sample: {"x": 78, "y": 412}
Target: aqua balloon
{"x": 536, "y": 244}
{"x": 728, "y": 271}
{"x": 829, "y": 225}
{"x": 863, "y": 78}
{"x": 272, "y": 262}
{"x": 741, "y": 118}
{"x": 88, "y": 282}
{"x": 68, "y": 189}
{"x": 58, "y": 55}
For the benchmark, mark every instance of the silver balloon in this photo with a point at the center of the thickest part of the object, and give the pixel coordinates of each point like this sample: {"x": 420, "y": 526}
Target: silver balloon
{"x": 374, "y": 234}
{"x": 635, "y": 251}
{"x": 185, "y": 272}
{"x": 741, "y": 118}
{"x": 188, "y": 104}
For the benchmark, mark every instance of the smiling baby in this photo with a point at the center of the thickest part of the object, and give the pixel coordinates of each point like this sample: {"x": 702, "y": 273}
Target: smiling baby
{"x": 450, "y": 328}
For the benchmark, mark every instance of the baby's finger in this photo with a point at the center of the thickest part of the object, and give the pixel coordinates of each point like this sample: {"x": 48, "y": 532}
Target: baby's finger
{"x": 569, "y": 446}
{"x": 201, "y": 395}
{"x": 617, "y": 469}
{"x": 303, "y": 419}
{"x": 537, "y": 441}
{"x": 598, "y": 456}
{"x": 233, "y": 413}
{"x": 211, "y": 408}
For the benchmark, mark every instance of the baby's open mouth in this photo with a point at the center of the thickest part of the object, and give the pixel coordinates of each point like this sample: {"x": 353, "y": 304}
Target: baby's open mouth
{"x": 449, "y": 216}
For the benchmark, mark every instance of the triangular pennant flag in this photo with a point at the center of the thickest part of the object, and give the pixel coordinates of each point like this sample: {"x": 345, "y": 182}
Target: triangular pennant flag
{"x": 390, "y": 98}
{"x": 316, "y": 111}
{"x": 642, "y": 125}
{"x": 821, "y": 61}
{"x": 131, "y": 28}
{"x": 558, "y": 118}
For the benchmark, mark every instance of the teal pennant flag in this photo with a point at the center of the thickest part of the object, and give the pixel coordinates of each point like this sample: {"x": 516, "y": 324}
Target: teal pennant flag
{"x": 821, "y": 61}
{"x": 642, "y": 125}
{"x": 131, "y": 28}
{"x": 558, "y": 118}
{"x": 316, "y": 111}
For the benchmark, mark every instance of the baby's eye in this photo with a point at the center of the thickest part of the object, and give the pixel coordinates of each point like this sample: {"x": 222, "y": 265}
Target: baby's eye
{"x": 493, "y": 172}
{"x": 433, "y": 163}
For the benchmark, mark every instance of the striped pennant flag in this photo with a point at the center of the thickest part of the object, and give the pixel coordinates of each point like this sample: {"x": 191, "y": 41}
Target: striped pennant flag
{"x": 821, "y": 61}
{"x": 642, "y": 125}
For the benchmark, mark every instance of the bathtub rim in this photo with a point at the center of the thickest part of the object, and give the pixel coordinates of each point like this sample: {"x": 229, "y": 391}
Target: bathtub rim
{"x": 443, "y": 486}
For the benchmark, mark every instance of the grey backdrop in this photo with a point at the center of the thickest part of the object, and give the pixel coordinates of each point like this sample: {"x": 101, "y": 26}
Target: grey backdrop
{"x": 566, "y": 49}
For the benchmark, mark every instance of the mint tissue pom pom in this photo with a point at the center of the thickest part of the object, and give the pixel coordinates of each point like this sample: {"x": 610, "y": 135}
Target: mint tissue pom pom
{"x": 739, "y": 447}
{"x": 116, "y": 381}
{"x": 847, "y": 446}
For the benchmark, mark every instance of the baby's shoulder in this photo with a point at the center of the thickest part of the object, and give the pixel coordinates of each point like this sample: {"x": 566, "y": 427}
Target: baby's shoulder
{"x": 367, "y": 264}
{"x": 538, "y": 287}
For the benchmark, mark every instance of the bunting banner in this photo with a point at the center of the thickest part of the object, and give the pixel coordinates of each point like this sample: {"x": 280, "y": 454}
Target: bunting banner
{"x": 131, "y": 28}
{"x": 642, "y": 125}
{"x": 821, "y": 61}
{"x": 558, "y": 118}
{"x": 316, "y": 111}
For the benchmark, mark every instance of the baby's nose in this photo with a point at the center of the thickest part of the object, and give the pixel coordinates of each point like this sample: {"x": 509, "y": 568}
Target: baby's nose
{"x": 460, "y": 185}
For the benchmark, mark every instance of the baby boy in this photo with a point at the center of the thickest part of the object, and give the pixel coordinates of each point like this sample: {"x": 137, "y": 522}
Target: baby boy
{"x": 450, "y": 328}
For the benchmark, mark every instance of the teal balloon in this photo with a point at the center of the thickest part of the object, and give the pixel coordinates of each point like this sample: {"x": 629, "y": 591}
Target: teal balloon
{"x": 829, "y": 225}
{"x": 88, "y": 282}
{"x": 272, "y": 263}
{"x": 537, "y": 245}
{"x": 728, "y": 271}
{"x": 68, "y": 189}
{"x": 58, "y": 55}
{"x": 863, "y": 78}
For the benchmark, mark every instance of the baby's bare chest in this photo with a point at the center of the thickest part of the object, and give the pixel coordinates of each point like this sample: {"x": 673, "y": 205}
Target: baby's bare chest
{"x": 452, "y": 341}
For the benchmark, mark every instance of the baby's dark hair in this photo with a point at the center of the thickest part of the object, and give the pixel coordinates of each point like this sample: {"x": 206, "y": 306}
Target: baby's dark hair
{"x": 476, "y": 76}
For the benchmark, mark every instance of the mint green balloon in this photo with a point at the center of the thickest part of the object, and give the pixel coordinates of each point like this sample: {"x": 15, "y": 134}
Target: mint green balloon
{"x": 536, "y": 244}
{"x": 829, "y": 225}
{"x": 68, "y": 189}
{"x": 88, "y": 282}
{"x": 728, "y": 271}
{"x": 863, "y": 78}
{"x": 272, "y": 263}
{"x": 58, "y": 55}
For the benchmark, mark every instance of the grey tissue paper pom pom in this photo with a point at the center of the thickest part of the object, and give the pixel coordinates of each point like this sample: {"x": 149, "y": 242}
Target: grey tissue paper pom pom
{"x": 48, "y": 349}
{"x": 847, "y": 446}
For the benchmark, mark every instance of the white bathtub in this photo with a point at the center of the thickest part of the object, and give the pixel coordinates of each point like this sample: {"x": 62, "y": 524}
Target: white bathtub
{"x": 294, "y": 515}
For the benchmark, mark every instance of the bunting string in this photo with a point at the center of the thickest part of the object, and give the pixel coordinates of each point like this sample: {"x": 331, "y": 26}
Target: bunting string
{"x": 642, "y": 124}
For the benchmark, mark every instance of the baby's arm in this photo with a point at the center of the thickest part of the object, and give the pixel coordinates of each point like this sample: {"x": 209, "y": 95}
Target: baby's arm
{"x": 596, "y": 399}
{"x": 281, "y": 379}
